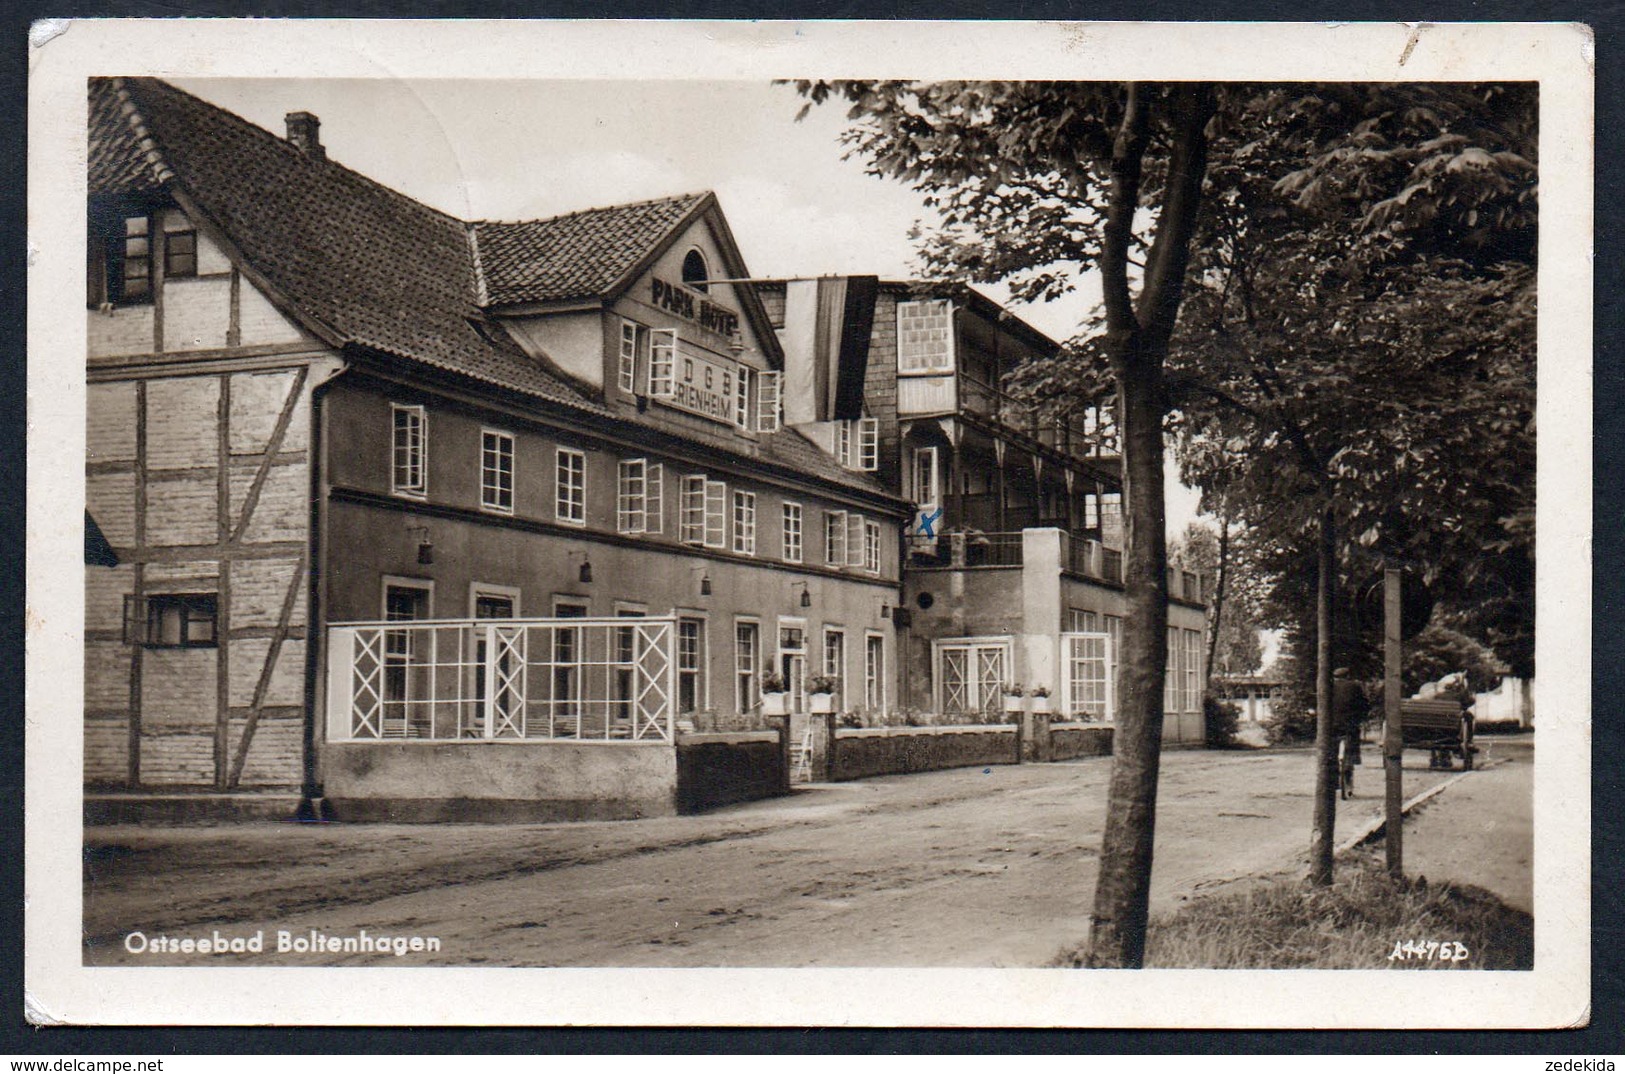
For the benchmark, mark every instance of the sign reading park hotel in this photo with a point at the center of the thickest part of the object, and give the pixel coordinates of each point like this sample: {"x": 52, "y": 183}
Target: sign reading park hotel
{"x": 699, "y": 385}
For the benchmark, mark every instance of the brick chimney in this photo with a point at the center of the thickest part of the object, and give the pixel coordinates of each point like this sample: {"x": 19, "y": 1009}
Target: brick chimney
{"x": 304, "y": 134}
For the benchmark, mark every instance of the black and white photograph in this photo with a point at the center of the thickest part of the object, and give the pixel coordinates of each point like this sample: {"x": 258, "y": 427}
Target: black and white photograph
{"x": 637, "y": 499}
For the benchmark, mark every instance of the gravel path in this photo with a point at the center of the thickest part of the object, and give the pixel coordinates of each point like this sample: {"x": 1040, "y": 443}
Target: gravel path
{"x": 971, "y": 867}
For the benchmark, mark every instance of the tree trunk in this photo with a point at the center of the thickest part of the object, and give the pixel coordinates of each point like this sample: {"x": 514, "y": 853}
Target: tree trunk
{"x": 1122, "y": 892}
{"x": 1320, "y": 843}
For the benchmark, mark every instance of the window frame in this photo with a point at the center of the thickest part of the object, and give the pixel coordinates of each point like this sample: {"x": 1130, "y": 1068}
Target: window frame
{"x": 835, "y": 633}
{"x": 871, "y": 546}
{"x": 874, "y": 671}
{"x": 702, "y": 687}
{"x": 835, "y": 527}
{"x": 946, "y": 309}
{"x": 788, "y": 509}
{"x": 140, "y": 613}
{"x": 486, "y": 486}
{"x": 747, "y": 676}
{"x": 570, "y": 496}
{"x": 744, "y": 518}
{"x": 416, "y": 454}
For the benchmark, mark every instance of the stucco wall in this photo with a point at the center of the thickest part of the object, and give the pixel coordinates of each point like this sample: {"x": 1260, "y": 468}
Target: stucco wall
{"x": 424, "y": 781}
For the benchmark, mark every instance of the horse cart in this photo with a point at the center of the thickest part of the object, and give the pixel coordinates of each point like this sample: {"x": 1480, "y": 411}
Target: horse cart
{"x": 1440, "y": 726}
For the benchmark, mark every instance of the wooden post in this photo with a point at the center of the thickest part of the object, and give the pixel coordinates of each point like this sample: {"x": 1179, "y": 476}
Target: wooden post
{"x": 1393, "y": 741}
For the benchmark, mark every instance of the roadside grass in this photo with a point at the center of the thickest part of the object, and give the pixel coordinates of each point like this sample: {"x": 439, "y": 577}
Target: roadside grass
{"x": 1354, "y": 924}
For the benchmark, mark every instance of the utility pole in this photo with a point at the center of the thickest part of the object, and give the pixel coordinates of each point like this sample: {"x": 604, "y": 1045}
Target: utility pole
{"x": 1393, "y": 742}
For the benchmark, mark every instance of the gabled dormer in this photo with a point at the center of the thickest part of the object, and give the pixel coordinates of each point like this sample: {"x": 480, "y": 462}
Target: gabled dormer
{"x": 647, "y": 306}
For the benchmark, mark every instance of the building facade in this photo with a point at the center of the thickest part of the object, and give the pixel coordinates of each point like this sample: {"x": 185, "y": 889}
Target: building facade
{"x": 397, "y": 509}
{"x": 1013, "y": 554}
{"x": 318, "y": 408}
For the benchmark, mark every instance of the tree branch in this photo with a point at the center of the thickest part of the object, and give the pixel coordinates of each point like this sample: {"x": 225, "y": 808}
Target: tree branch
{"x": 1128, "y": 158}
{"x": 1176, "y": 223}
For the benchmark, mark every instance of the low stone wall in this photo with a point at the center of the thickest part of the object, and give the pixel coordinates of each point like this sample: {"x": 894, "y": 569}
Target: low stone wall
{"x": 1071, "y": 740}
{"x": 722, "y": 768}
{"x": 862, "y": 752}
{"x": 499, "y": 781}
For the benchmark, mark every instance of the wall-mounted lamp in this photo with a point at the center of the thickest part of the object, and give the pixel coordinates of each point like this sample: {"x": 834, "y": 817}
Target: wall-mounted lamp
{"x": 806, "y": 597}
{"x": 705, "y": 585}
{"x": 425, "y": 545}
{"x": 885, "y": 611}
{"x": 736, "y": 344}
{"x": 585, "y": 573}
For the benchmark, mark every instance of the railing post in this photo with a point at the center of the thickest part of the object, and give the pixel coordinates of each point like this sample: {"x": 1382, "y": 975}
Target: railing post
{"x": 488, "y": 702}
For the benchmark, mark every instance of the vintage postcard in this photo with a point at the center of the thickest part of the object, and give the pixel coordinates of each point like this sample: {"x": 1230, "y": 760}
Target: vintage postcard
{"x": 638, "y": 523}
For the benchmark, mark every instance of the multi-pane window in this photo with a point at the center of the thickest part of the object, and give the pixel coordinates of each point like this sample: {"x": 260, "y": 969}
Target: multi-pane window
{"x": 855, "y": 532}
{"x": 792, "y": 532}
{"x": 691, "y": 510}
{"x": 132, "y": 278}
{"x": 638, "y": 496}
{"x": 744, "y": 397}
{"x": 745, "y": 523}
{"x": 180, "y": 254}
{"x": 835, "y": 663}
{"x": 634, "y": 350}
{"x": 747, "y": 653}
{"x": 662, "y": 361}
{"x": 1114, "y": 655}
{"x": 1171, "y": 680}
{"x": 171, "y": 621}
{"x": 1193, "y": 670}
{"x": 690, "y": 664}
{"x": 409, "y": 474}
{"x": 702, "y": 512}
{"x": 925, "y": 337}
{"x": 571, "y": 501}
{"x": 835, "y": 538}
{"x": 874, "y": 672}
{"x": 857, "y": 443}
{"x": 496, "y": 471}
{"x": 925, "y": 491}
{"x": 767, "y": 402}
{"x": 871, "y": 546}
{"x": 1082, "y": 622}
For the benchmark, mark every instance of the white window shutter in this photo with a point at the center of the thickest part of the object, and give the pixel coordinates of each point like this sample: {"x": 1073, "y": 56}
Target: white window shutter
{"x": 843, "y": 443}
{"x": 835, "y": 538}
{"x": 767, "y": 401}
{"x": 654, "y": 497}
{"x": 662, "y": 361}
{"x": 716, "y": 514}
{"x": 854, "y": 540}
{"x": 742, "y": 400}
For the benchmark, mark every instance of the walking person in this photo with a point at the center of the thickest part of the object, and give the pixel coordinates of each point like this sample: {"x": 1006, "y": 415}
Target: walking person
{"x": 1349, "y": 711}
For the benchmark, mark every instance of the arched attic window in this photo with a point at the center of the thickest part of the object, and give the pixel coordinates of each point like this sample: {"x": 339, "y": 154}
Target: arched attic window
{"x": 695, "y": 272}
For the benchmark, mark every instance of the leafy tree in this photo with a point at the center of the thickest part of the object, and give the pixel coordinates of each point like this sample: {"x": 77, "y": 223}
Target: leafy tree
{"x": 1233, "y": 644}
{"x": 1034, "y": 181}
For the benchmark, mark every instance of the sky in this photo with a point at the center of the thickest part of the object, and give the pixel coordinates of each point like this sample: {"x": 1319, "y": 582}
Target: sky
{"x": 514, "y": 150}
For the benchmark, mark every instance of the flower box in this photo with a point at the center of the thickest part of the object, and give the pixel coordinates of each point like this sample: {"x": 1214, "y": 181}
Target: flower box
{"x": 775, "y": 704}
{"x": 821, "y": 703}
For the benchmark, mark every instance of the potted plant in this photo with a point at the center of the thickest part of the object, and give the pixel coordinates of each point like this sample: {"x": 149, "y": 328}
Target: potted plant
{"x": 1041, "y": 701}
{"x": 1014, "y": 699}
{"x": 820, "y": 691}
{"x": 775, "y": 702}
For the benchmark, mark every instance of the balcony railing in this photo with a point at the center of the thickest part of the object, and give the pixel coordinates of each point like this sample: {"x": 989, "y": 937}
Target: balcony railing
{"x": 1094, "y": 560}
{"x": 502, "y": 679}
{"x": 1072, "y": 436}
{"x": 962, "y": 549}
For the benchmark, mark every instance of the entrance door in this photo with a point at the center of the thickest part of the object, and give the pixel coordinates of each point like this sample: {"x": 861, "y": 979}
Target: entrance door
{"x": 793, "y": 664}
{"x": 971, "y": 677}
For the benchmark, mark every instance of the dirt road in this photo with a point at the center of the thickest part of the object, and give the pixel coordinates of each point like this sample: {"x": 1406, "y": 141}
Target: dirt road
{"x": 971, "y": 867}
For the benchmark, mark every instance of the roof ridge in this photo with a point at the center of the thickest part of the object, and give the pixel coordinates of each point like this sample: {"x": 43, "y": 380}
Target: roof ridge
{"x": 695, "y": 195}
{"x": 272, "y": 138}
{"x": 482, "y": 294}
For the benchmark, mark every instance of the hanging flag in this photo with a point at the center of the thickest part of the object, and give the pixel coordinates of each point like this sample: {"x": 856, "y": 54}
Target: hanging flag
{"x": 827, "y": 322}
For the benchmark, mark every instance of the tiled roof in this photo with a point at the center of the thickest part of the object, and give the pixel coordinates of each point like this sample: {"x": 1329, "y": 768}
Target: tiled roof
{"x": 368, "y": 264}
{"x": 787, "y": 447}
{"x": 579, "y": 255}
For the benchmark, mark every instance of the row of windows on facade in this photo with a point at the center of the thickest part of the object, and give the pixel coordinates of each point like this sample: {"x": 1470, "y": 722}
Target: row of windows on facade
{"x": 705, "y": 509}
{"x": 757, "y": 404}
{"x": 407, "y": 602}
